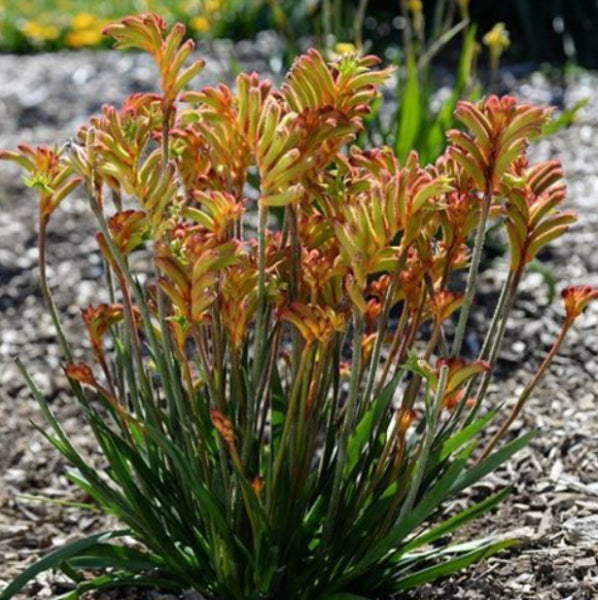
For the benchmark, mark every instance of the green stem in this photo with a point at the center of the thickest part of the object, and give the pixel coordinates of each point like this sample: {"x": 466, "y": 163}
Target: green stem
{"x": 493, "y": 343}
{"x": 358, "y": 24}
{"x": 472, "y": 276}
{"x": 326, "y": 24}
{"x": 529, "y": 388}
{"x": 422, "y": 459}
{"x": 260, "y": 328}
{"x": 263, "y": 398}
{"x": 383, "y": 325}
{"x": 289, "y": 419}
{"x": 165, "y": 137}
{"x": 45, "y": 289}
{"x": 496, "y": 326}
{"x": 296, "y": 341}
{"x": 394, "y": 348}
{"x": 347, "y": 427}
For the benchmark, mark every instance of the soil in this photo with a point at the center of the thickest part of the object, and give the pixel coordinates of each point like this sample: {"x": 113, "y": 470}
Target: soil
{"x": 554, "y": 505}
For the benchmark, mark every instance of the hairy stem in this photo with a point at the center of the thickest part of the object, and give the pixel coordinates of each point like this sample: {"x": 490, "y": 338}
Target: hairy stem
{"x": 348, "y": 424}
{"x": 422, "y": 460}
{"x": 383, "y": 325}
{"x": 529, "y": 388}
{"x": 294, "y": 283}
{"x": 260, "y": 327}
{"x": 472, "y": 276}
{"x": 45, "y": 288}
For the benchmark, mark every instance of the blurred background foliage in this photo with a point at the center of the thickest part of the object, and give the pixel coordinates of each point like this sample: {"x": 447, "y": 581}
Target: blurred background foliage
{"x": 555, "y": 31}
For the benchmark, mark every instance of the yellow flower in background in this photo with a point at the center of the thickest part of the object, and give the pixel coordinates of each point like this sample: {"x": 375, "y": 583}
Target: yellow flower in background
{"x": 416, "y": 6}
{"x": 497, "y": 40}
{"x": 200, "y": 24}
{"x": 497, "y": 37}
{"x": 84, "y": 21}
{"x": 40, "y": 32}
{"x": 84, "y": 37}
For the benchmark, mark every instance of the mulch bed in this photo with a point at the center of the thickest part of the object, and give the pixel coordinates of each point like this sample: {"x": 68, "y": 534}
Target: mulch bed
{"x": 554, "y": 506}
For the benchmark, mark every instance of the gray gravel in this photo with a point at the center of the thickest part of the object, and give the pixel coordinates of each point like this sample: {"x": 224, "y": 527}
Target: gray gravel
{"x": 44, "y": 98}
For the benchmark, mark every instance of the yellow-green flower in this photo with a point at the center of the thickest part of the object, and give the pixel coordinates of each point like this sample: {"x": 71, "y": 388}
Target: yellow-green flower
{"x": 497, "y": 40}
{"x": 345, "y": 48}
{"x": 416, "y": 6}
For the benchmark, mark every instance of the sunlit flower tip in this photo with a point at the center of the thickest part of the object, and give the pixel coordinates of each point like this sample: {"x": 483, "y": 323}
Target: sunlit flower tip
{"x": 80, "y": 372}
{"x": 445, "y": 303}
{"x": 99, "y": 318}
{"x": 373, "y": 310}
{"x": 345, "y": 368}
{"x": 129, "y": 229}
{"x": 452, "y": 399}
{"x": 459, "y": 371}
{"x": 367, "y": 346}
{"x": 224, "y": 426}
{"x": 257, "y": 483}
{"x": 315, "y": 323}
{"x": 425, "y": 368}
{"x": 406, "y": 418}
{"x": 355, "y": 293}
{"x": 576, "y": 298}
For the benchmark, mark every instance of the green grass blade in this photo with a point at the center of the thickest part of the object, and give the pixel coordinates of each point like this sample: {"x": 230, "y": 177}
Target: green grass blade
{"x": 56, "y": 557}
{"x": 566, "y": 118}
{"x": 102, "y": 556}
{"x": 461, "y": 437}
{"x": 410, "y": 115}
{"x": 372, "y": 417}
{"x": 115, "y": 580}
{"x": 488, "y": 465}
{"x": 451, "y": 566}
{"x": 345, "y": 597}
{"x": 455, "y": 522}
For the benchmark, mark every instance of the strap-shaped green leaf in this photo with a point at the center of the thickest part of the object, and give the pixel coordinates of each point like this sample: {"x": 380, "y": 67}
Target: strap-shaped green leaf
{"x": 491, "y": 463}
{"x": 451, "y": 566}
{"x": 455, "y": 522}
{"x": 55, "y": 558}
{"x": 372, "y": 417}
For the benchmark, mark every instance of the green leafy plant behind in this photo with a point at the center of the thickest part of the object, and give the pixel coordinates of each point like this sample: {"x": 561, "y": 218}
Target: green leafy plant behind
{"x": 285, "y": 413}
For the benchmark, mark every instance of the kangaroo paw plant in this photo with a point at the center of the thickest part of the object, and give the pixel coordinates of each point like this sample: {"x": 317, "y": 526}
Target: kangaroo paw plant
{"x": 280, "y": 398}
